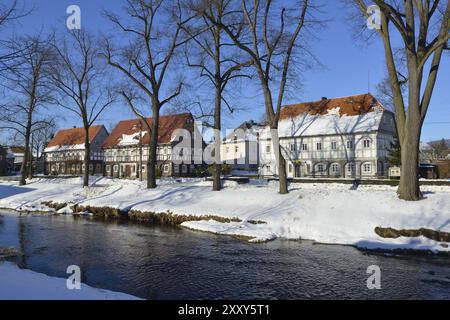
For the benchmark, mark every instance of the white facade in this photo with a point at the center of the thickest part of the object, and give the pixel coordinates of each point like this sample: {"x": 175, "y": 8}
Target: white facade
{"x": 346, "y": 147}
{"x": 240, "y": 149}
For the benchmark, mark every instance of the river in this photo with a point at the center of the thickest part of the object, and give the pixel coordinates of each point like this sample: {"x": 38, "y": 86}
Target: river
{"x": 155, "y": 262}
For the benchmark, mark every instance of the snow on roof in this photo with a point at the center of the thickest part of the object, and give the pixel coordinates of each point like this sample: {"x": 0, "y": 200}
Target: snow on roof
{"x": 361, "y": 113}
{"x": 167, "y": 125}
{"x": 131, "y": 139}
{"x": 72, "y": 139}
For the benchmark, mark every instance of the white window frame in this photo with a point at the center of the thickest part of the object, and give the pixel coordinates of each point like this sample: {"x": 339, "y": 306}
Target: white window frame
{"x": 293, "y": 147}
{"x": 166, "y": 168}
{"x": 335, "y": 166}
{"x": 319, "y": 146}
{"x": 333, "y": 145}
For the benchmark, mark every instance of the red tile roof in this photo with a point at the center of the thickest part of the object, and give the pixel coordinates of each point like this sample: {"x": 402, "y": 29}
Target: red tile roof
{"x": 350, "y": 106}
{"x": 167, "y": 124}
{"x": 74, "y": 136}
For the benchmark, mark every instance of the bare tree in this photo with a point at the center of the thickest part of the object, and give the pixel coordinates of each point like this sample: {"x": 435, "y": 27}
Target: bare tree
{"x": 438, "y": 149}
{"x": 9, "y": 13}
{"x": 423, "y": 27}
{"x": 217, "y": 61}
{"x": 29, "y": 88}
{"x": 82, "y": 85}
{"x": 42, "y": 136}
{"x": 270, "y": 47}
{"x": 153, "y": 30}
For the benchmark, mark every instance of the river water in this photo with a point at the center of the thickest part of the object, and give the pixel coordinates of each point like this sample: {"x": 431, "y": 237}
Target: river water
{"x": 173, "y": 263}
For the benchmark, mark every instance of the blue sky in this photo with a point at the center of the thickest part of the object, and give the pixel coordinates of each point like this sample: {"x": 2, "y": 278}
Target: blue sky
{"x": 347, "y": 63}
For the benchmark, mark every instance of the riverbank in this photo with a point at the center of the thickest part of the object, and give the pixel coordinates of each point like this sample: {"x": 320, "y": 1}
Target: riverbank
{"x": 326, "y": 213}
{"x": 22, "y": 284}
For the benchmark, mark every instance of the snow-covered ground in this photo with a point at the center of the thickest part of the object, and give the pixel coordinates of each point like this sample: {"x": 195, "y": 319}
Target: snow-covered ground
{"x": 21, "y": 284}
{"x": 328, "y": 213}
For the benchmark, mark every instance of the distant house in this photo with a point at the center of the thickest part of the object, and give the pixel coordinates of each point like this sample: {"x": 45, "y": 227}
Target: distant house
{"x": 127, "y": 148}
{"x": 64, "y": 154}
{"x": 240, "y": 149}
{"x": 15, "y": 157}
{"x": 346, "y": 137}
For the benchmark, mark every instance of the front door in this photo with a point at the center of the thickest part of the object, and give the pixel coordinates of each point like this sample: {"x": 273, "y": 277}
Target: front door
{"x": 128, "y": 171}
{"x": 298, "y": 170}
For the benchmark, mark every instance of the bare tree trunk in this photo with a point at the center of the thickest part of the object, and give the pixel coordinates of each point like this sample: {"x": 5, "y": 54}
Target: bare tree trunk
{"x": 24, "y": 166}
{"x": 87, "y": 157}
{"x": 30, "y": 159}
{"x": 217, "y": 172}
{"x": 281, "y": 162}
{"x": 409, "y": 188}
{"x": 152, "y": 157}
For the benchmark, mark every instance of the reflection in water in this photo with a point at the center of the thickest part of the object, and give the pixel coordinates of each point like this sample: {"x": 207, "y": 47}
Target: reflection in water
{"x": 173, "y": 263}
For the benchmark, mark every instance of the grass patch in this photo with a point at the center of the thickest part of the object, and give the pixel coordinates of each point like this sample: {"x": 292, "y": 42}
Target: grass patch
{"x": 168, "y": 218}
{"x": 427, "y": 233}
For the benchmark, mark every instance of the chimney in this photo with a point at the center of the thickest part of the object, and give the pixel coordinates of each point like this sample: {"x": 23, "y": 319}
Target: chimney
{"x": 324, "y": 98}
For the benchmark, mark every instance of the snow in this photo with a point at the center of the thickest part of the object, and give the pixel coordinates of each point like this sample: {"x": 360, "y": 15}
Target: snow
{"x": 22, "y": 284}
{"x": 131, "y": 139}
{"x": 327, "y": 213}
{"x": 65, "y": 148}
{"x": 307, "y": 124}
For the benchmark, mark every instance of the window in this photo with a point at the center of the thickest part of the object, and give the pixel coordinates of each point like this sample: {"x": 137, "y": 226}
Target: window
{"x": 108, "y": 168}
{"x": 367, "y": 168}
{"x": 184, "y": 168}
{"x": 335, "y": 168}
{"x": 349, "y": 144}
{"x": 91, "y": 167}
{"x": 290, "y": 168}
{"x": 319, "y": 146}
{"x": 236, "y": 149}
{"x": 366, "y": 143}
{"x": 116, "y": 168}
{"x": 304, "y": 147}
{"x": 176, "y": 169}
{"x": 166, "y": 168}
{"x": 143, "y": 169}
{"x": 320, "y": 168}
{"x": 267, "y": 149}
{"x": 292, "y": 146}
{"x": 74, "y": 167}
{"x": 351, "y": 168}
{"x": 333, "y": 145}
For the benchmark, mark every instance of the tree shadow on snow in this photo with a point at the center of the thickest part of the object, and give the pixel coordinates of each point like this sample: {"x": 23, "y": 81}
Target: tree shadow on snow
{"x": 9, "y": 191}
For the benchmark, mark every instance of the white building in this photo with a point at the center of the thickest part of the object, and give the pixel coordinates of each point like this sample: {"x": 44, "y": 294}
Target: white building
{"x": 240, "y": 148}
{"x": 346, "y": 137}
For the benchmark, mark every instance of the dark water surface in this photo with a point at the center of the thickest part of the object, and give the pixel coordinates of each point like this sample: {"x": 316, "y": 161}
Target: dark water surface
{"x": 171, "y": 263}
